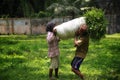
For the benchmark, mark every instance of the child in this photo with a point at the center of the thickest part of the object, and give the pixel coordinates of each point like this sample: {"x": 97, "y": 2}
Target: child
{"x": 53, "y": 49}
{"x": 81, "y": 42}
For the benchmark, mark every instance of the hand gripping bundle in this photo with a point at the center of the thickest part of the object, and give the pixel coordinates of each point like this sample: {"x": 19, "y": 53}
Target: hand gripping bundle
{"x": 67, "y": 30}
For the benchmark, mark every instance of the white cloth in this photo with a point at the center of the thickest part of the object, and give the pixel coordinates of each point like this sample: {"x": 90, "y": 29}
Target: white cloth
{"x": 67, "y": 30}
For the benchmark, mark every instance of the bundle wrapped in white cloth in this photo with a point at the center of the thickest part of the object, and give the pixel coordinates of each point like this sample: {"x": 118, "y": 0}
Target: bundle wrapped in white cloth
{"x": 67, "y": 30}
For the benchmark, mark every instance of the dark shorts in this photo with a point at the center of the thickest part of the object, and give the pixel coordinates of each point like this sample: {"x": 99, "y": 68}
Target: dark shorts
{"x": 76, "y": 62}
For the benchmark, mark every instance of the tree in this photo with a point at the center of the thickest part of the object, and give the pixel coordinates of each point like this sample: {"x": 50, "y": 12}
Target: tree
{"x": 64, "y": 7}
{"x": 56, "y": 8}
{"x": 21, "y": 8}
{"x": 70, "y": 8}
{"x": 8, "y": 8}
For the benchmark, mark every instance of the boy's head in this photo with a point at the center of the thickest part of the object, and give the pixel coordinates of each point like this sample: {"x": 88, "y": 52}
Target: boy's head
{"x": 83, "y": 30}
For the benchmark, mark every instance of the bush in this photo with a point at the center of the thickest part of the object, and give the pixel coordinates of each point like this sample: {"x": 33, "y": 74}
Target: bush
{"x": 97, "y": 23}
{"x": 40, "y": 14}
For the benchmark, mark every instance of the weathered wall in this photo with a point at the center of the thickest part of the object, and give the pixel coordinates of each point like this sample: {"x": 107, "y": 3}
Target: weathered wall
{"x": 26, "y": 26}
{"x": 22, "y": 26}
{"x": 5, "y": 26}
{"x": 38, "y": 26}
{"x": 14, "y": 26}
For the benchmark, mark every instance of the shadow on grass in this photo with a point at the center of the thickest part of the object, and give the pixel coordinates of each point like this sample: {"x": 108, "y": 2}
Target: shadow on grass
{"x": 104, "y": 57}
{"x": 7, "y": 66}
{"x": 7, "y": 41}
{"x": 17, "y": 69}
{"x": 115, "y": 63}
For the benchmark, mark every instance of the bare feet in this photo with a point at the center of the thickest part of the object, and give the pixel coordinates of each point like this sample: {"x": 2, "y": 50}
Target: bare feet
{"x": 78, "y": 73}
{"x": 51, "y": 78}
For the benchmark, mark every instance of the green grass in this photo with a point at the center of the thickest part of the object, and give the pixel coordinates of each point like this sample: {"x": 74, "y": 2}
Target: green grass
{"x": 25, "y": 58}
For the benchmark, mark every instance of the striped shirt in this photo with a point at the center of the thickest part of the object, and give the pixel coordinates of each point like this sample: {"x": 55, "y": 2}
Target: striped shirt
{"x": 53, "y": 49}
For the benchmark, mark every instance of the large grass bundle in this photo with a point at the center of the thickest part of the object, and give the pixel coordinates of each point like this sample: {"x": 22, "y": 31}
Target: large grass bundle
{"x": 95, "y": 20}
{"x": 97, "y": 23}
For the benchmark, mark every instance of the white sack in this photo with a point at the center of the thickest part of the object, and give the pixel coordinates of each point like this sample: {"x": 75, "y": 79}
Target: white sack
{"x": 67, "y": 30}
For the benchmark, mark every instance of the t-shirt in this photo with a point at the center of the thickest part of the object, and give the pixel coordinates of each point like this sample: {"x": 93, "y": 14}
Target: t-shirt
{"x": 82, "y": 49}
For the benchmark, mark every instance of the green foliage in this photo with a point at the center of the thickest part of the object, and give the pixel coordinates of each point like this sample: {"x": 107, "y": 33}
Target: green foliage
{"x": 4, "y": 16}
{"x": 64, "y": 8}
{"x": 26, "y": 8}
{"x": 41, "y": 14}
{"x": 96, "y": 22}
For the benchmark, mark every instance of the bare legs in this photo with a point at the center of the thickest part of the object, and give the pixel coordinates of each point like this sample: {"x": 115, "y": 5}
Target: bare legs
{"x": 56, "y": 73}
{"x": 77, "y": 72}
{"x": 51, "y": 72}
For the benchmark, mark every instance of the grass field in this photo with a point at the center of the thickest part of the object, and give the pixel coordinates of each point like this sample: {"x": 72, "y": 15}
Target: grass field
{"x": 24, "y": 57}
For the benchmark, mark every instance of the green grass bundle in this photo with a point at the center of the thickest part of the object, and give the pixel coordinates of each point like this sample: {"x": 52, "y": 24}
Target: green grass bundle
{"x": 96, "y": 22}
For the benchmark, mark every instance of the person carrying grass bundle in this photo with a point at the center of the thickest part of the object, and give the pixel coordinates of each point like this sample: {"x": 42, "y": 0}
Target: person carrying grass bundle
{"x": 81, "y": 42}
{"x": 53, "y": 49}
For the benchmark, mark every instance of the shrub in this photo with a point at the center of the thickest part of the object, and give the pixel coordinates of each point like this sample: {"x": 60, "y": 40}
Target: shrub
{"x": 40, "y": 14}
{"x": 97, "y": 23}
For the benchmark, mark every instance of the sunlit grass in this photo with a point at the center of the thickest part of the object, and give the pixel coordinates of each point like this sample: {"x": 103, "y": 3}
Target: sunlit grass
{"x": 113, "y": 36}
{"x": 24, "y": 57}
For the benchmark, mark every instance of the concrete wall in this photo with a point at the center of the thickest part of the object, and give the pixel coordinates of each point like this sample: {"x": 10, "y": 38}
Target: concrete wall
{"x": 38, "y": 26}
{"x": 21, "y": 26}
{"x": 26, "y": 26}
{"x": 15, "y": 26}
